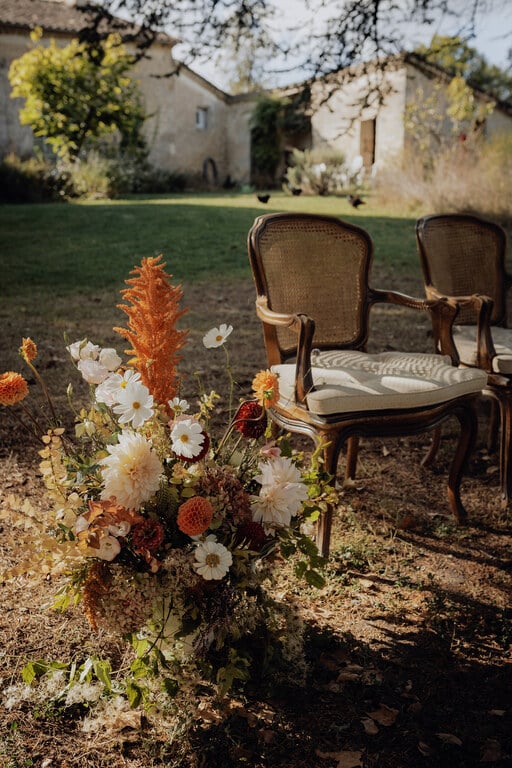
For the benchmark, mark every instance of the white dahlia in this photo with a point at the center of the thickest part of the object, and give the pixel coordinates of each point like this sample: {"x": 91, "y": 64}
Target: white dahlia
{"x": 131, "y": 473}
{"x": 282, "y": 493}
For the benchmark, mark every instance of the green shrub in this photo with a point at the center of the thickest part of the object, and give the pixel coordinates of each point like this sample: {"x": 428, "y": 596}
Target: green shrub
{"x": 321, "y": 172}
{"x": 32, "y": 181}
{"x": 94, "y": 177}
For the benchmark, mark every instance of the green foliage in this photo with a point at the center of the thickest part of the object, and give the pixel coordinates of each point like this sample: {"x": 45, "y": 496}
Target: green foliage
{"x": 461, "y": 60}
{"x": 321, "y": 172}
{"x": 274, "y": 119}
{"x": 32, "y": 181}
{"x": 265, "y": 141}
{"x": 75, "y": 95}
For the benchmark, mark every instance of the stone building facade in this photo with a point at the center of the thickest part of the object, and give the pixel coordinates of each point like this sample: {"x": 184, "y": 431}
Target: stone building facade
{"x": 197, "y": 128}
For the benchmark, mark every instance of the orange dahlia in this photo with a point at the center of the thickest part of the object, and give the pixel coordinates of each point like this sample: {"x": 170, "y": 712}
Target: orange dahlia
{"x": 13, "y": 388}
{"x": 28, "y": 350}
{"x": 195, "y": 515}
{"x": 265, "y": 386}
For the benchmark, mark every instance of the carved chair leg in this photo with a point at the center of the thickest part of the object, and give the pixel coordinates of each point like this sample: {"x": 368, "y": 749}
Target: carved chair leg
{"x": 351, "y": 461}
{"x": 505, "y": 403}
{"x": 494, "y": 425}
{"x": 324, "y": 526}
{"x": 468, "y": 429}
{"x": 434, "y": 447}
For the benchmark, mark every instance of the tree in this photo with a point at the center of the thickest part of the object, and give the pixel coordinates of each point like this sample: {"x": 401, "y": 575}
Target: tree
{"x": 457, "y": 57}
{"x": 314, "y": 38}
{"x": 75, "y": 95}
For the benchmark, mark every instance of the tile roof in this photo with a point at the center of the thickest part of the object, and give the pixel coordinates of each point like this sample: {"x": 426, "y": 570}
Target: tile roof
{"x": 54, "y": 16}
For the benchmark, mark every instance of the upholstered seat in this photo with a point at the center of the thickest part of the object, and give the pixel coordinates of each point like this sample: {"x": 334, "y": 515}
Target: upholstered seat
{"x": 349, "y": 381}
{"x": 463, "y": 261}
{"x": 465, "y": 339}
{"x": 313, "y": 298}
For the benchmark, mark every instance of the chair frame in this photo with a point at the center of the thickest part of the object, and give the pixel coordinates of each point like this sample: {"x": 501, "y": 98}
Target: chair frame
{"x": 487, "y": 311}
{"x": 332, "y": 432}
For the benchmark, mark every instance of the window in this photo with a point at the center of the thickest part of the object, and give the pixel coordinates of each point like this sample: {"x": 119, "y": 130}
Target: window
{"x": 202, "y": 118}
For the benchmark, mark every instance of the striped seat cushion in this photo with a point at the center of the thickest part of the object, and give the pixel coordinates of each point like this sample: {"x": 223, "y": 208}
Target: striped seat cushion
{"x": 464, "y": 337}
{"x": 350, "y": 381}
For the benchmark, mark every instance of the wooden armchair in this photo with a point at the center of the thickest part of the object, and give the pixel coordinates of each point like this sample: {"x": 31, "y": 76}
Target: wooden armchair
{"x": 463, "y": 258}
{"x": 313, "y": 298}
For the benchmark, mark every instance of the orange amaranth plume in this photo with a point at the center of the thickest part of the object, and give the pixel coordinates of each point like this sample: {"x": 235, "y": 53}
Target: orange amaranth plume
{"x": 153, "y": 311}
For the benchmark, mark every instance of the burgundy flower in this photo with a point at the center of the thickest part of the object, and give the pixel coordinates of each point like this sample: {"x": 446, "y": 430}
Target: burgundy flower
{"x": 251, "y": 534}
{"x": 251, "y": 420}
{"x": 148, "y": 535}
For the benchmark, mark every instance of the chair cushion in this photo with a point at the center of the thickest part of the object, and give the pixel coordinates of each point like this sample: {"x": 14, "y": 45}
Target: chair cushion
{"x": 464, "y": 337}
{"x": 350, "y": 381}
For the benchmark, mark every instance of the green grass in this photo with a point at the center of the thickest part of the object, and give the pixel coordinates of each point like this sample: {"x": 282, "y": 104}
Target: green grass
{"x": 61, "y": 249}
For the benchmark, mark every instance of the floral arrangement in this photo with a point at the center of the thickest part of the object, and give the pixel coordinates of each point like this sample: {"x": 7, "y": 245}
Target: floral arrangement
{"x": 166, "y": 528}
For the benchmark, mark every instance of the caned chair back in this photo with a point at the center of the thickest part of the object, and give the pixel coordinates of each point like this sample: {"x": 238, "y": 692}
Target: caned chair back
{"x": 463, "y": 255}
{"x": 313, "y": 265}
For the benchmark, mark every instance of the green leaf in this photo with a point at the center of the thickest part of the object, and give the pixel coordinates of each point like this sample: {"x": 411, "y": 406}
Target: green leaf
{"x": 170, "y": 686}
{"x": 315, "y": 579}
{"x": 102, "y": 672}
{"x": 133, "y": 694}
{"x": 33, "y": 670}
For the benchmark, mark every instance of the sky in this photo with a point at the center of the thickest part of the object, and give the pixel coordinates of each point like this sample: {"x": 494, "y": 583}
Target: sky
{"x": 493, "y": 39}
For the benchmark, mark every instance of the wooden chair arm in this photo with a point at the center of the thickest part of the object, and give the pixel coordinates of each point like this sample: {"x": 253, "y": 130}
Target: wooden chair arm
{"x": 304, "y": 327}
{"x": 482, "y": 307}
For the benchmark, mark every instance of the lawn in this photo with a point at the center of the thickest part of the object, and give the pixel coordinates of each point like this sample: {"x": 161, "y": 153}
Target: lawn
{"x": 89, "y": 246}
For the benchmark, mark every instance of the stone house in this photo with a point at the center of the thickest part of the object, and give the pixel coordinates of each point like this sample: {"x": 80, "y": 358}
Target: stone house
{"x": 194, "y": 126}
{"x": 374, "y": 131}
{"x": 197, "y": 128}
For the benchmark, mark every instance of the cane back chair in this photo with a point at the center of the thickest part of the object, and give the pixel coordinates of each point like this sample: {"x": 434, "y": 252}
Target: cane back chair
{"x": 311, "y": 274}
{"x": 463, "y": 258}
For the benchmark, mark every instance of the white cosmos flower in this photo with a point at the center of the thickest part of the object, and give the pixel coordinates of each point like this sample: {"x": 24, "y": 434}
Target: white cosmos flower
{"x": 81, "y": 350}
{"x": 282, "y": 493}
{"x": 178, "y": 405}
{"x": 110, "y": 359}
{"x": 212, "y": 560}
{"x": 134, "y": 404}
{"x": 131, "y": 472}
{"x": 109, "y": 390}
{"x": 217, "y": 336}
{"x": 92, "y": 370}
{"x": 187, "y": 438}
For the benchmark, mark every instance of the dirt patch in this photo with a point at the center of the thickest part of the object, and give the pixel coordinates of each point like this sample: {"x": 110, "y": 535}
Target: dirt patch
{"x": 408, "y": 644}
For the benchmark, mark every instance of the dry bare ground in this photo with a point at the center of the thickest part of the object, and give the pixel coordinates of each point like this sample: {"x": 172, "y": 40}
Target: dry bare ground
{"x": 408, "y": 644}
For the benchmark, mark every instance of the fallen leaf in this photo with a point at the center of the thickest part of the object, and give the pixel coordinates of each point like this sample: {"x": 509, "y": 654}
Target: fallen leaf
{"x": 491, "y": 752}
{"x": 406, "y": 523}
{"x": 384, "y": 715}
{"x": 370, "y": 726}
{"x": 367, "y": 584}
{"x": 449, "y": 738}
{"x": 497, "y": 712}
{"x": 129, "y": 719}
{"x": 424, "y": 748}
{"x": 345, "y": 758}
{"x": 351, "y": 672}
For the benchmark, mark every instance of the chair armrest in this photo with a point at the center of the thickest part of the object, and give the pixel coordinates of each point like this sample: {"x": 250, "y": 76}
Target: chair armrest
{"x": 482, "y": 307}
{"x": 304, "y": 327}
